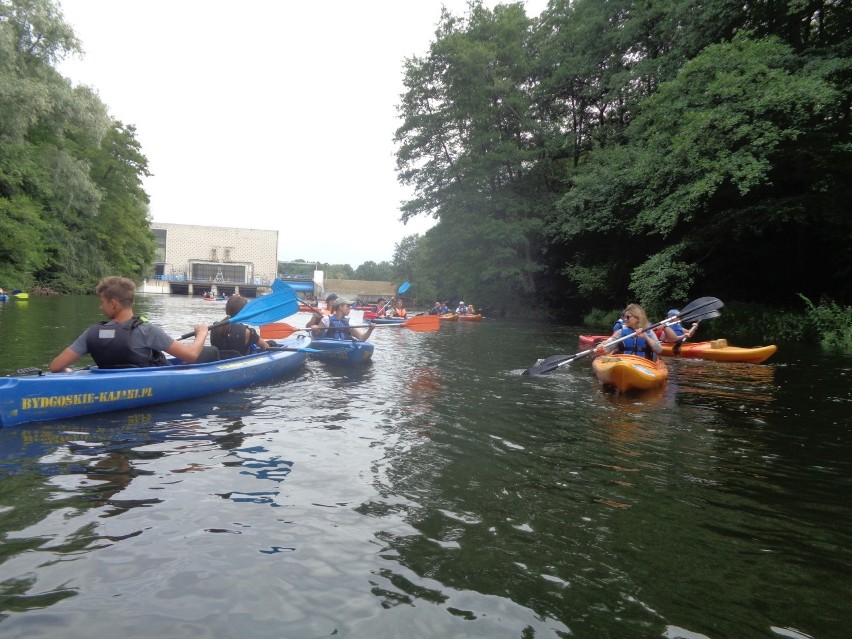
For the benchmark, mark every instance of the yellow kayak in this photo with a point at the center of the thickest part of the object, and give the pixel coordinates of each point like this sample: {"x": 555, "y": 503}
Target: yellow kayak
{"x": 449, "y": 317}
{"x": 630, "y": 372}
{"x": 719, "y": 351}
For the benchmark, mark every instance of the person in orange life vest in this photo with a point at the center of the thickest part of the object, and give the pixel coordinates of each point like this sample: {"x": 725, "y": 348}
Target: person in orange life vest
{"x": 236, "y": 337}
{"x": 639, "y": 341}
{"x": 399, "y": 310}
{"x": 338, "y": 326}
{"x": 128, "y": 341}
{"x": 320, "y": 316}
{"x": 381, "y": 307}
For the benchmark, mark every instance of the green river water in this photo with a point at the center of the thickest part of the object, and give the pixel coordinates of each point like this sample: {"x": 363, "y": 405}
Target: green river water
{"x": 433, "y": 493}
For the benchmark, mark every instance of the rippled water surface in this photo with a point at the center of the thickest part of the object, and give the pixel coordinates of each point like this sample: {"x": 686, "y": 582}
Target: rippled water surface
{"x": 433, "y": 493}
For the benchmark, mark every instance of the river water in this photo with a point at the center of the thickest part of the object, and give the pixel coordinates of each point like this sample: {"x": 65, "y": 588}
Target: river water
{"x": 433, "y": 493}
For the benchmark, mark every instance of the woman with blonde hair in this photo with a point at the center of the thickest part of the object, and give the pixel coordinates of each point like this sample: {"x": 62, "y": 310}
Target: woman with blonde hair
{"x": 639, "y": 341}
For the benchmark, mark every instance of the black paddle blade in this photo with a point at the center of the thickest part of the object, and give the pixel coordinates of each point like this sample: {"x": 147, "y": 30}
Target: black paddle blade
{"x": 701, "y": 305}
{"x": 552, "y": 363}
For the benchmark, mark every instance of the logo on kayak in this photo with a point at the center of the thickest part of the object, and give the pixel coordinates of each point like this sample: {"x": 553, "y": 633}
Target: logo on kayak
{"x": 105, "y": 397}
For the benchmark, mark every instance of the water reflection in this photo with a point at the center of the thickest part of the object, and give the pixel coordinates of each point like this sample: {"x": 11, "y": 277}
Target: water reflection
{"x": 438, "y": 490}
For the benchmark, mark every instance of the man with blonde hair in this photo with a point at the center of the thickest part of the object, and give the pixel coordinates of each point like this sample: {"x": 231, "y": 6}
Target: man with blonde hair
{"x": 127, "y": 341}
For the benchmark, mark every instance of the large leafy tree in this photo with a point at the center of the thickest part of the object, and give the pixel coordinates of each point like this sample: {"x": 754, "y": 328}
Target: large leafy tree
{"x": 70, "y": 177}
{"x": 469, "y": 143}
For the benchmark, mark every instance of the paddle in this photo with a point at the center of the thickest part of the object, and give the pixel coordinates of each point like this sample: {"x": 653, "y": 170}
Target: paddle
{"x": 419, "y": 323}
{"x": 697, "y": 310}
{"x": 262, "y": 310}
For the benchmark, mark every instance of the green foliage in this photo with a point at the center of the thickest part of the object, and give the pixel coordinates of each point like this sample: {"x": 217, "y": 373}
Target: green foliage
{"x": 371, "y": 271}
{"x": 760, "y": 323}
{"x": 832, "y": 322}
{"x": 621, "y": 150}
{"x": 598, "y": 319}
{"x": 71, "y": 196}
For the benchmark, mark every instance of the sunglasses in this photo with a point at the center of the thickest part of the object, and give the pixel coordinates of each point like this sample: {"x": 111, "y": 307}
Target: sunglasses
{"x": 627, "y": 316}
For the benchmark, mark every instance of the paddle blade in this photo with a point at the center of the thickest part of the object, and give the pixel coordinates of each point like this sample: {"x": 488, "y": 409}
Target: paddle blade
{"x": 269, "y": 308}
{"x": 277, "y": 330}
{"x": 422, "y": 323}
{"x": 553, "y": 362}
{"x": 403, "y": 288}
{"x": 701, "y": 305}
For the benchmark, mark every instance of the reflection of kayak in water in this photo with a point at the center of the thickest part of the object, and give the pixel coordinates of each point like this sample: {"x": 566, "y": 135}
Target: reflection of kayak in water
{"x": 716, "y": 350}
{"x": 629, "y": 372}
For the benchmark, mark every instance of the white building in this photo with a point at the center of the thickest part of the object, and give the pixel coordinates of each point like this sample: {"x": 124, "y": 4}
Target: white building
{"x": 193, "y": 259}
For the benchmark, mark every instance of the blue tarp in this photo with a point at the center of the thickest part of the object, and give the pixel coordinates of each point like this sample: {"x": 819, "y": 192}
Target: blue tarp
{"x": 300, "y": 287}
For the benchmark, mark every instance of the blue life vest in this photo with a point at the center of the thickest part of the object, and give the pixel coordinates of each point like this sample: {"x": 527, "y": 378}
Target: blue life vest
{"x": 335, "y": 328}
{"x": 110, "y": 346}
{"x": 677, "y": 327}
{"x": 635, "y": 345}
{"x": 619, "y": 324}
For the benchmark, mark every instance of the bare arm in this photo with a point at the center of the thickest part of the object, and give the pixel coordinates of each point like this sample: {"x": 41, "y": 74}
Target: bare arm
{"x": 63, "y": 360}
{"x": 189, "y": 352}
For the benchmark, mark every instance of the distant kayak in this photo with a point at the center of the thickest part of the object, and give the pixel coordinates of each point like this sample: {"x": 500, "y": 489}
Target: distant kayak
{"x": 630, "y": 372}
{"x": 449, "y": 317}
{"x": 470, "y": 318}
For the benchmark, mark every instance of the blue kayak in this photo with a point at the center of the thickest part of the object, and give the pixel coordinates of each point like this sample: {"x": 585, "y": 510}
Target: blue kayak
{"x": 341, "y": 351}
{"x": 83, "y": 392}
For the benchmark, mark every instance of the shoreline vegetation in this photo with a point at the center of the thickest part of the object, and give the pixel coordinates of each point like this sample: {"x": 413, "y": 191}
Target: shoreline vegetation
{"x": 596, "y": 154}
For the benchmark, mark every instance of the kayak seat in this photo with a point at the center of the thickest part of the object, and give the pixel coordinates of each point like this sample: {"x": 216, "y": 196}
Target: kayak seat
{"x": 229, "y": 354}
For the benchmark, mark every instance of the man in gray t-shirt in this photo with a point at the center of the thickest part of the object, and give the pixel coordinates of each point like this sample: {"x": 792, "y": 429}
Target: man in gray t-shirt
{"x": 117, "y": 295}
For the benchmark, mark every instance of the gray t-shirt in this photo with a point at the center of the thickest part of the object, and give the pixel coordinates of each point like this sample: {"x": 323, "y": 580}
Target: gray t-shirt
{"x": 146, "y": 335}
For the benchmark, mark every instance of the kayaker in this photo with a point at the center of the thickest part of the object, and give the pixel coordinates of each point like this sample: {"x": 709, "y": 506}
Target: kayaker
{"x": 445, "y": 308}
{"x": 435, "y": 310}
{"x": 320, "y": 316}
{"x": 381, "y": 307}
{"x": 233, "y": 339}
{"x": 338, "y": 324}
{"x": 461, "y": 309}
{"x": 639, "y": 341}
{"x": 399, "y": 310}
{"x": 128, "y": 341}
{"x": 676, "y": 332}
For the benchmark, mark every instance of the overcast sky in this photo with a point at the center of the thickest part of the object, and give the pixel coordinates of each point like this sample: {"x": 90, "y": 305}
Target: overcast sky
{"x": 265, "y": 114}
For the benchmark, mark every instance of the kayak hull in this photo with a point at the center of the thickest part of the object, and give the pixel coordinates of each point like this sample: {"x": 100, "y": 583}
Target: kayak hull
{"x": 83, "y": 392}
{"x": 719, "y": 351}
{"x": 387, "y": 320}
{"x": 630, "y": 372}
{"x": 470, "y": 318}
{"x": 449, "y": 317}
{"x": 714, "y": 351}
{"x": 339, "y": 351}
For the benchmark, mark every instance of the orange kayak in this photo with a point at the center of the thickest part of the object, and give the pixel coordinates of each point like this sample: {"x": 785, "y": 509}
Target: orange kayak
{"x": 719, "y": 351}
{"x": 630, "y": 372}
{"x": 470, "y": 318}
{"x": 715, "y": 351}
{"x": 449, "y": 317}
